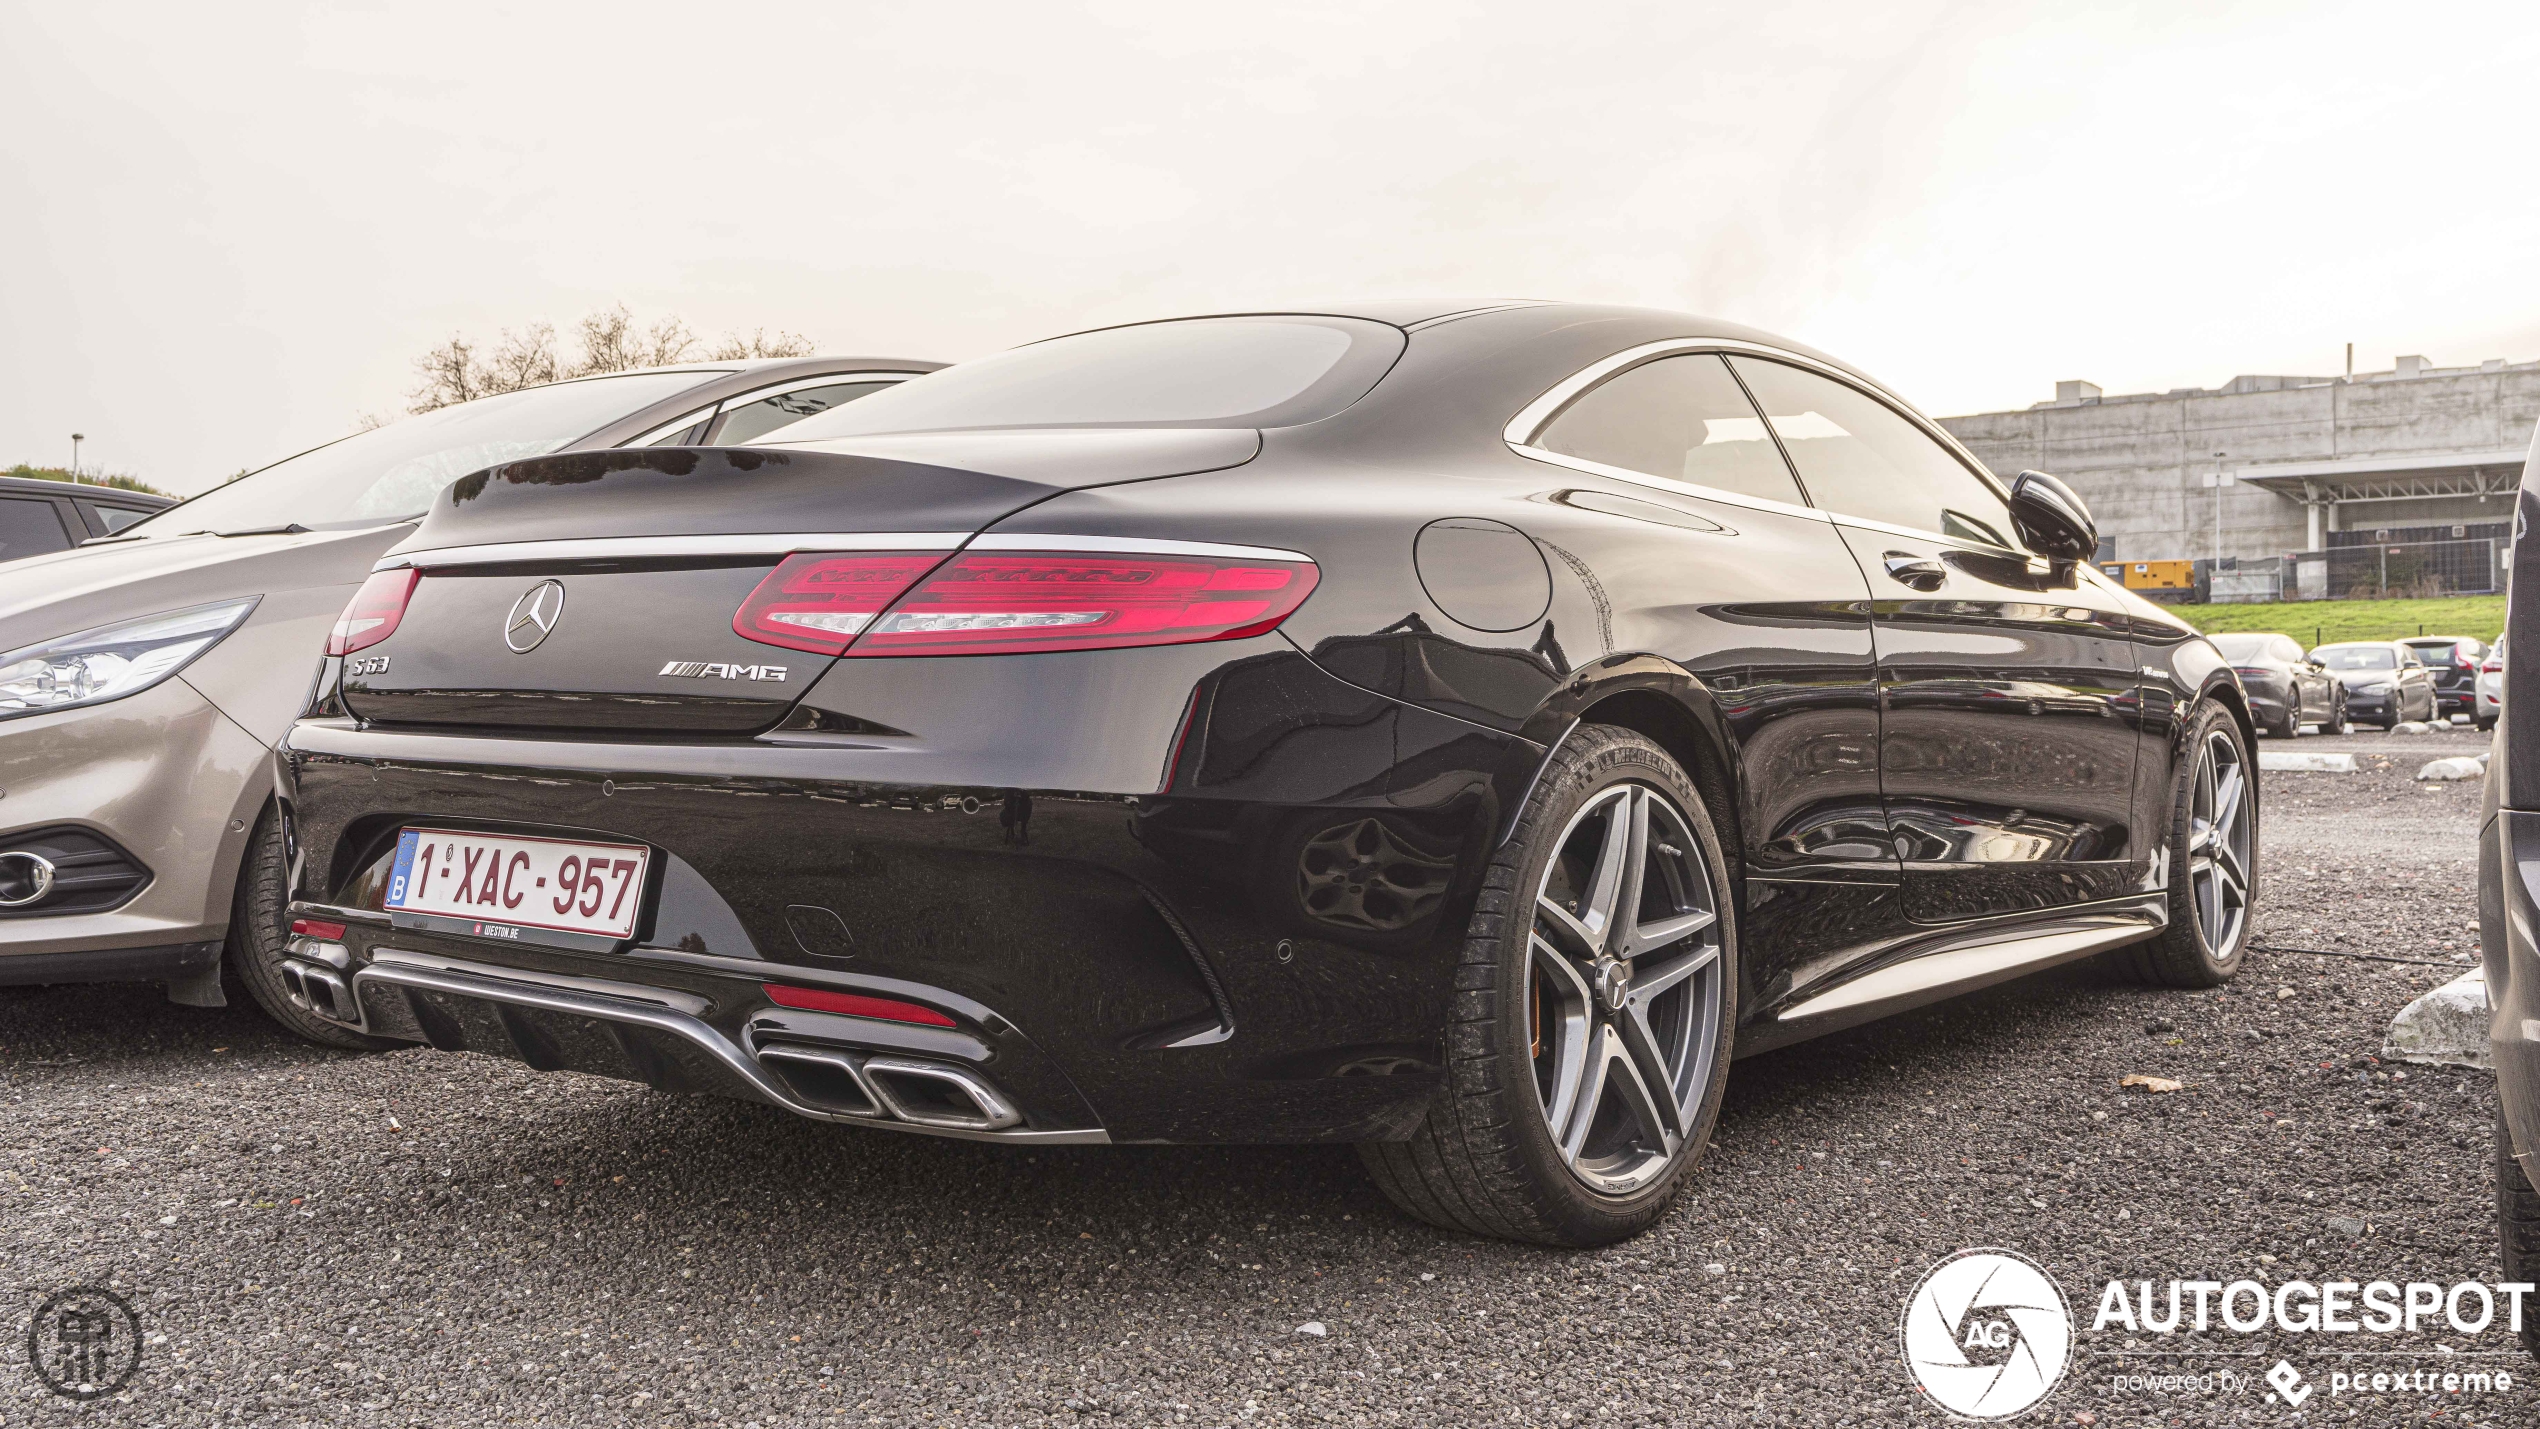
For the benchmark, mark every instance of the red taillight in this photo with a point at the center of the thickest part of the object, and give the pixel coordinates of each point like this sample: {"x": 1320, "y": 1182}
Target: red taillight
{"x": 820, "y": 602}
{"x": 374, "y": 611}
{"x": 316, "y": 928}
{"x": 888, "y": 1009}
{"x": 1016, "y": 602}
{"x": 2495, "y": 665}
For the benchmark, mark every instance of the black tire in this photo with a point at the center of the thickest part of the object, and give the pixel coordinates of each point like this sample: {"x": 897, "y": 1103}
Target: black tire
{"x": 2289, "y": 727}
{"x": 1485, "y": 1160}
{"x": 2517, "y": 1225}
{"x": 2184, "y": 955}
{"x": 259, "y": 931}
{"x": 2487, "y": 725}
{"x": 2338, "y": 722}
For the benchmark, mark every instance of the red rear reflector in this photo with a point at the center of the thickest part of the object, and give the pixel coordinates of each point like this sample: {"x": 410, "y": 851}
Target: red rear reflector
{"x": 372, "y": 614}
{"x": 1012, "y": 603}
{"x": 820, "y": 602}
{"x": 813, "y": 999}
{"x": 316, "y": 928}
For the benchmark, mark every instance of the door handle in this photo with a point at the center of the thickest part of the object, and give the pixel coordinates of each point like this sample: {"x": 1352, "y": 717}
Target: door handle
{"x": 1920, "y": 572}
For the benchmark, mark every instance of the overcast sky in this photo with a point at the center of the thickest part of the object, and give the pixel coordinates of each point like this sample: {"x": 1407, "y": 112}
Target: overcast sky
{"x": 229, "y": 229}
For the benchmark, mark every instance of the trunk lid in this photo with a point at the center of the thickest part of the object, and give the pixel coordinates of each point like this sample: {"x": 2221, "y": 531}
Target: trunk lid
{"x": 594, "y": 592}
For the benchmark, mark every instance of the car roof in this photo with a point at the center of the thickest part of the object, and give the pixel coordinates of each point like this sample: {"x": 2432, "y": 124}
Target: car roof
{"x": 110, "y": 495}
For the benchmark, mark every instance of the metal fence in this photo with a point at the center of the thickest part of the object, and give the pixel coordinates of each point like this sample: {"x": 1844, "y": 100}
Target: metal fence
{"x": 2416, "y": 568}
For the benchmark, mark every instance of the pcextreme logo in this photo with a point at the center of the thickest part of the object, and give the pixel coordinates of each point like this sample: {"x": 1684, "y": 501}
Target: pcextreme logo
{"x": 1986, "y": 1334}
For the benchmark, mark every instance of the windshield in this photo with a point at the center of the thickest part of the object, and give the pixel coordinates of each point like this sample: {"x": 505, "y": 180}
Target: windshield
{"x": 391, "y": 473}
{"x": 2243, "y": 647}
{"x": 1200, "y": 372}
{"x": 2356, "y": 657}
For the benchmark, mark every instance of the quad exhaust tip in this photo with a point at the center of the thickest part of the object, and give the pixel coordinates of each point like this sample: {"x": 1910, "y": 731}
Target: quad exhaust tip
{"x": 319, "y": 986}
{"x": 919, "y": 1092}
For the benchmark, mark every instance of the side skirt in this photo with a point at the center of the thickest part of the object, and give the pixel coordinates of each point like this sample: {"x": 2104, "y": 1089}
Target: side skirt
{"x": 1947, "y": 964}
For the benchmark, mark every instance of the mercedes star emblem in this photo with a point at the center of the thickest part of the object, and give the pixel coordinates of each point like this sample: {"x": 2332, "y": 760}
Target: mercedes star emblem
{"x": 533, "y": 616}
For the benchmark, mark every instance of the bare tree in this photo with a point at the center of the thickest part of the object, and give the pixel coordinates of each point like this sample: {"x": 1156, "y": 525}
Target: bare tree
{"x": 610, "y": 341}
{"x": 757, "y": 343}
{"x": 524, "y": 359}
{"x": 451, "y": 374}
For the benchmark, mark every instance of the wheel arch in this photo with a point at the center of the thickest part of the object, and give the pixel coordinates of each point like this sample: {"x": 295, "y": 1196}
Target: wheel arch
{"x": 1658, "y": 698}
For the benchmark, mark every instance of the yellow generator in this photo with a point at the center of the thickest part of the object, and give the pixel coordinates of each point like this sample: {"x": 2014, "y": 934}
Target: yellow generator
{"x": 2152, "y": 575}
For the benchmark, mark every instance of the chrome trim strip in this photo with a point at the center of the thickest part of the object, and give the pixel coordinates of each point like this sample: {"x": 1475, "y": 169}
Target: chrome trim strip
{"x": 1967, "y": 964}
{"x": 1680, "y": 488}
{"x": 1134, "y": 546}
{"x": 800, "y": 384}
{"x": 605, "y": 548}
{"x": 499, "y": 984}
{"x": 702, "y": 414}
{"x": 686, "y": 1002}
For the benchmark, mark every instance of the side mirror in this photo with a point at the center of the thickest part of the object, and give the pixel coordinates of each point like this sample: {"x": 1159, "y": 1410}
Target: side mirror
{"x": 2051, "y": 520}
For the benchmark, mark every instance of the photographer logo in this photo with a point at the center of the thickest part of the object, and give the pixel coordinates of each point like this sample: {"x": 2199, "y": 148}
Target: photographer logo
{"x": 1987, "y": 1334}
{"x": 84, "y": 1343}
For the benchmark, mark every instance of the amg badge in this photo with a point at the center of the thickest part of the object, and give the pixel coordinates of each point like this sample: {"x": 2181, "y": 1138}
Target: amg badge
{"x": 717, "y": 670}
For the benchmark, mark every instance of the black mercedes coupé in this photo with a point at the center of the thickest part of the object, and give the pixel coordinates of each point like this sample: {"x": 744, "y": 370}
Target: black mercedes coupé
{"x": 1453, "y": 732}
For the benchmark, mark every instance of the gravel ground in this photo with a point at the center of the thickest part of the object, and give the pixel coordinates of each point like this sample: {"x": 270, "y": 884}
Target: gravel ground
{"x": 421, "y": 1238}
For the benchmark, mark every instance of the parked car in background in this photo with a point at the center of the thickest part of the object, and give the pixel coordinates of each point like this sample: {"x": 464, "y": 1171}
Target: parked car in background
{"x": 40, "y": 517}
{"x": 1377, "y": 726}
{"x": 2287, "y": 689}
{"x": 2453, "y": 660}
{"x": 2385, "y": 682}
{"x": 147, "y": 675}
{"x": 2491, "y": 686}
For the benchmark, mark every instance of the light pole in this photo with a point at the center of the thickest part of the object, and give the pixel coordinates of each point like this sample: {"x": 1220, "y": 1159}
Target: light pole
{"x": 2218, "y": 479}
{"x": 76, "y": 439}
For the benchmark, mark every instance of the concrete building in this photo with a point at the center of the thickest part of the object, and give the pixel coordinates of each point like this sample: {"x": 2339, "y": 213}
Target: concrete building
{"x": 2315, "y": 462}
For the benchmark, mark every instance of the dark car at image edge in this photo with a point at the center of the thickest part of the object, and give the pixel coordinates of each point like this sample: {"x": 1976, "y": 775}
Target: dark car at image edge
{"x": 1457, "y": 732}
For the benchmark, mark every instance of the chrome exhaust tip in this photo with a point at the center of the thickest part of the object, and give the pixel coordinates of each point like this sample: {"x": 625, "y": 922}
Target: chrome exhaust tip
{"x": 24, "y": 878}
{"x": 320, "y": 990}
{"x": 821, "y": 1077}
{"x": 938, "y": 1094}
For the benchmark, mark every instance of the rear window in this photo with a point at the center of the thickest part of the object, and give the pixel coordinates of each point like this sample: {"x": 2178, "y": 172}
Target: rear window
{"x": 2245, "y": 647}
{"x": 2357, "y": 657}
{"x": 1269, "y": 371}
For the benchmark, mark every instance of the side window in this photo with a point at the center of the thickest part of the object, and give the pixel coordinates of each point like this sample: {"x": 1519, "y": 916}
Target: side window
{"x": 30, "y": 527}
{"x": 2287, "y": 648}
{"x": 1678, "y": 417}
{"x": 757, "y": 419}
{"x": 115, "y": 518}
{"x": 1859, "y": 458}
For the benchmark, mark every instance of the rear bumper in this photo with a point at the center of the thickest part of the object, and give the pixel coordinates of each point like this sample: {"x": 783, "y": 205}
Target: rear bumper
{"x": 1126, "y": 964}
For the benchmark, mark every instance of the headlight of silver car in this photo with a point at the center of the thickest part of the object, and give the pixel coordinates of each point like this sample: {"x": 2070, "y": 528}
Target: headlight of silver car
{"x": 112, "y": 661}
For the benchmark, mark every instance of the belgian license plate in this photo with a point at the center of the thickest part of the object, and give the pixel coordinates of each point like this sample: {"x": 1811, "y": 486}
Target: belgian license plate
{"x": 561, "y": 885}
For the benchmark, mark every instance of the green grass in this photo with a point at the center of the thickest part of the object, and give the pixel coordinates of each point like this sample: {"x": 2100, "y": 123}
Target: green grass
{"x": 55, "y": 473}
{"x": 2322, "y": 622}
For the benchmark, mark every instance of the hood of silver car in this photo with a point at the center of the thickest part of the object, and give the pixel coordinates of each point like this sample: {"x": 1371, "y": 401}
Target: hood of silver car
{"x": 47, "y": 596}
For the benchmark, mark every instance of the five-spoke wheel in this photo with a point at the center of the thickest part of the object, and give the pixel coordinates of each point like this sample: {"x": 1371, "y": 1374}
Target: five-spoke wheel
{"x": 2220, "y": 842}
{"x": 1594, "y": 1013}
{"x": 1623, "y": 987}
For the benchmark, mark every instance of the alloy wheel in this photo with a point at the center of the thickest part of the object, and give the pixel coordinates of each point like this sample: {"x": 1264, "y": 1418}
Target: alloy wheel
{"x": 2220, "y": 842}
{"x": 1624, "y": 988}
